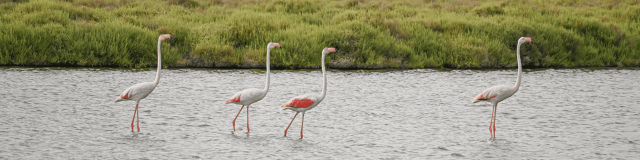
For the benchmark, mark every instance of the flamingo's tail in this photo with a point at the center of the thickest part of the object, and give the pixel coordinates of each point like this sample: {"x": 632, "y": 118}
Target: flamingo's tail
{"x": 287, "y": 106}
{"x": 123, "y": 98}
{"x": 119, "y": 99}
{"x": 478, "y": 98}
{"x": 228, "y": 101}
{"x": 233, "y": 99}
{"x": 125, "y": 95}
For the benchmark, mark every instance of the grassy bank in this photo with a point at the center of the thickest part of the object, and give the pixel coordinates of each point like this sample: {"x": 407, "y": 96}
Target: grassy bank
{"x": 367, "y": 33}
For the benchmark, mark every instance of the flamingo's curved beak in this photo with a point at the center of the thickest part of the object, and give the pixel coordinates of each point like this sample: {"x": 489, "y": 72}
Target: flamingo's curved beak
{"x": 527, "y": 39}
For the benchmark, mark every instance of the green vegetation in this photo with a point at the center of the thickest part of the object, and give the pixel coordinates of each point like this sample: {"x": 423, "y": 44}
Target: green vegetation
{"x": 366, "y": 33}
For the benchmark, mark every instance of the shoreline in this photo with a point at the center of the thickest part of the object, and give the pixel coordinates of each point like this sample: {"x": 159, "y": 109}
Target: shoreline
{"x": 328, "y": 67}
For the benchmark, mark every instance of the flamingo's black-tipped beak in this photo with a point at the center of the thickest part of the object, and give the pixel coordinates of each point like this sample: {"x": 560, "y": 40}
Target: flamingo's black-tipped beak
{"x": 171, "y": 37}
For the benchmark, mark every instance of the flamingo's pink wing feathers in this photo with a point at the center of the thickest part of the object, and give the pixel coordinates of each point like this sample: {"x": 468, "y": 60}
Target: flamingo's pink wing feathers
{"x": 482, "y": 97}
{"x": 490, "y": 93}
{"x": 233, "y": 99}
{"x": 125, "y": 96}
{"x": 128, "y": 93}
{"x": 299, "y": 103}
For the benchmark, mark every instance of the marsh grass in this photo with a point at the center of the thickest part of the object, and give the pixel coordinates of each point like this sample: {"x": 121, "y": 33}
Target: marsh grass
{"x": 366, "y": 33}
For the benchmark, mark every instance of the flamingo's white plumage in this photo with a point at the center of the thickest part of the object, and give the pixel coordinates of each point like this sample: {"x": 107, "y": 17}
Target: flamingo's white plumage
{"x": 142, "y": 90}
{"x": 498, "y": 93}
{"x": 252, "y": 95}
{"x": 306, "y": 102}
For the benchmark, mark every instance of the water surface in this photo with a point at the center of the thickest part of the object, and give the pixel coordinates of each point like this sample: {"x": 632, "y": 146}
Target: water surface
{"x": 558, "y": 114}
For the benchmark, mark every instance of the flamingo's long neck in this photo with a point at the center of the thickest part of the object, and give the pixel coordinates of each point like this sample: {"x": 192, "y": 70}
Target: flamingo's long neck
{"x": 324, "y": 79}
{"x": 519, "y": 68}
{"x": 159, "y": 63}
{"x": 266, "y": 86}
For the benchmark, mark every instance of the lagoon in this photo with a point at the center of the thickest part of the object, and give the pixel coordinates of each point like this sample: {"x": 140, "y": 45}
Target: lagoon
{"x": 69, "y": 113}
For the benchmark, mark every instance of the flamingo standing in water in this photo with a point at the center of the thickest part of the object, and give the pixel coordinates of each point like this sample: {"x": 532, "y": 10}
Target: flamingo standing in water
{"x": 496, "y": 94}
{"x": 142, "y": 90}
{"x": 252, "y": 95}
{"x": 307, "y": 102}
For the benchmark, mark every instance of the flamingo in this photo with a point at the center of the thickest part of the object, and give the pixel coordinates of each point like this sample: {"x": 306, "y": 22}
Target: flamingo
{"x": 142, "y": 90}
{"x": 309, "y": 101}
{"x": 498, "y": 93}
{"x": 252, "y": 95}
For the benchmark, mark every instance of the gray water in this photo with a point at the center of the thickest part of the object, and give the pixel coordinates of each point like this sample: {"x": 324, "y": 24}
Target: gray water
{"x": 69, "y": 113}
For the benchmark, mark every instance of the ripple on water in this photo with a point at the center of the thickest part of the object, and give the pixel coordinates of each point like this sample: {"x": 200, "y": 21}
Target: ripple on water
{"x": 371, "y": 114}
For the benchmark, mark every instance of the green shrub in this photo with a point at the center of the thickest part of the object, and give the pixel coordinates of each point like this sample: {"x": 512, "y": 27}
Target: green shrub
{"x": 488, "y": 10}
{"x": 292, "y": 6}
{"x": 185, "y": 3}
{"x": 367, "y": 33}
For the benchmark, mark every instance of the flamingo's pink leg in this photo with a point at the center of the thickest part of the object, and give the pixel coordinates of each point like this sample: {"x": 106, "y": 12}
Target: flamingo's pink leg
{"x": 491, "y": 121}
{"x": 137, "y": 118}
{"x": 495, "y": 113}
{"x": 302, "y": 125}
{"x": 234, "y": 120}
{"x": 247, "y": 118}
{"x": 294, "y": 117}
{"x": 134, "y": 117}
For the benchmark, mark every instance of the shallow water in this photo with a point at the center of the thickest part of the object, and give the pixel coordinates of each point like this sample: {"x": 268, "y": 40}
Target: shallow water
{"x": 66, "y": 113}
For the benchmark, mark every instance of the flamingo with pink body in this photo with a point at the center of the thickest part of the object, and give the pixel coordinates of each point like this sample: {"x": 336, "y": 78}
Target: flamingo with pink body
{"x": 142, "y": 90}
{"x": 306, "y": 102}
{"x": 252, "y": 95}
{"x": 496, "y": 94}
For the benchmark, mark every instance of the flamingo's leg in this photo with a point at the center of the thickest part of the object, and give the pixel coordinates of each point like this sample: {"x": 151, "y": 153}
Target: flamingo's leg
{"x": 134, "y": 117}
{"x": 491, "y": 122}
{"x": 247, "y": 118}
{"x": 302, "y": 125}
{"x": 234, "y": 120}
{"x": 138, "y": 119}
{"x": 495, "y": 112}
{"x": 294, "y": 117}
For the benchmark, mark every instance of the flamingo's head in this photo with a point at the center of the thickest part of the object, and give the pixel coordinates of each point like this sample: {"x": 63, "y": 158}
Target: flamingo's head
{"x": 165, "y": 36}
{"x": 273, "y": 45}
{"x": 524, "y": 39}
{"x": 328, "y": 50}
